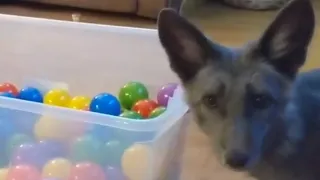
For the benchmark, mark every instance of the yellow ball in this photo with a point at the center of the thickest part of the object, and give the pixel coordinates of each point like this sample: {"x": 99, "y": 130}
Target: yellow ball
{"x": 57, "y": 168}
{"x": 80, "y": 102}
{"x": 3, "y": 173}
{"x": 49, "y": 128}
{"x": 58, "y": 129}
{"x": 136, "y": 160}
{"x": 57, "y": 97}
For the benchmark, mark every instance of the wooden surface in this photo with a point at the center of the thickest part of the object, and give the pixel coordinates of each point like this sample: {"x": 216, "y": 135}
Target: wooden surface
{"x": 226, "y": 25}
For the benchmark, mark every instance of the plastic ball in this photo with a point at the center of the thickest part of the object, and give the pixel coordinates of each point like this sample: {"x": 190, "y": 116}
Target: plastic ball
{"x": 23, "y": 172}
{"x": 165, "y": 93}
{"x": 48, "y": 128}
{"x": 3, "y": 173}
{"x": 57, "y": 168}
{"x": 101, "y": 132}
{"x": 10, "y": 88}
{"x": 144, "y": 107}
{"x": 31, "y": 94}
{"x": 57, "y": 97}
{"x": 114, "y": 150}
{"x": 131, "y": 93}
{"x": 86, "y": 171}
{"x": 28, "y": 153}
{"x": 157, "y": 112}
{"x": 115, "y": 174}
{"x": 105, "y": 103}
{"x": 52, "y": 149}
{"x": 87, "y": 148}
{"x": 7, "y": 94}
{"x": 136, "y": 153}
{"x": 15, "y": 141}
{"x": 58, "y": 129}
{"x": 123, "y": 109}
{"x": 79, "y": 102}
{"x": 131, "y": 115}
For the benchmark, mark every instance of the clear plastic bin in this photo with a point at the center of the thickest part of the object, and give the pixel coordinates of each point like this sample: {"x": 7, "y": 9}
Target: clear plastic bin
{"x": 88, "y": 59}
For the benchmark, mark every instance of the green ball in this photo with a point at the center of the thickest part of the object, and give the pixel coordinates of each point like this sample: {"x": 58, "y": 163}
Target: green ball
{"x": 131, "y": 115}
{"x": 87, "y": 148}
{"x": 113, "y": 151}
{"x": 15, "y": 141}
{"x": 157, "y": 112}
{"x": 132, "y": 92}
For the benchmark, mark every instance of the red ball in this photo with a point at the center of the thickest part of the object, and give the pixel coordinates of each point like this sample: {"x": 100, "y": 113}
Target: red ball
{"x": 23, "y": 172}
{"x": 144, "y": 107}
{"x": 10, "y": 88}
{"x": 87, "y": 171}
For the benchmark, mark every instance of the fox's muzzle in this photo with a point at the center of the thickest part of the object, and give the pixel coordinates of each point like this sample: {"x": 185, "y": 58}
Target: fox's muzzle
{"x": 245, "y": 143}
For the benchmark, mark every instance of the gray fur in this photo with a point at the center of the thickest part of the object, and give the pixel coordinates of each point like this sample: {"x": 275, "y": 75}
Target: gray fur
{"x": 250, "y": 101}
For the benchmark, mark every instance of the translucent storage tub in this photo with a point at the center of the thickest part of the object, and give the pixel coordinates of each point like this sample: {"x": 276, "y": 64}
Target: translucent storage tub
{"x": 86, "y": 59}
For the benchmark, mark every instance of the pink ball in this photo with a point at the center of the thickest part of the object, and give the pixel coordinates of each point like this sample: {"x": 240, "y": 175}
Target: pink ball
{"x": 165, "y": 93}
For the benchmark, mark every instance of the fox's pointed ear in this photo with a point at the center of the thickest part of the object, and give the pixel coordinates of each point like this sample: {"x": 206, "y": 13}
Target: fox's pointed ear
{"x": 187, "y": 48}
{"x": 285, "y": 42}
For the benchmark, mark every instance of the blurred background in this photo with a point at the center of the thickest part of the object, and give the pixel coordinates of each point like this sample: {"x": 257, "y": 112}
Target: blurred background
{"x": 232, "y": 22}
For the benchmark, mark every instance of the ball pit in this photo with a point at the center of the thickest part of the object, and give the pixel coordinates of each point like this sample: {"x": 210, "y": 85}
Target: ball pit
{"x": 58, "y": 149}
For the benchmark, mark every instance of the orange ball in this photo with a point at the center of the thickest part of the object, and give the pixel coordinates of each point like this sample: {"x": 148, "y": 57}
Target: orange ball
{"x": 23, "y": 172}
{"x": 144, "y": 107}
{"x": 10, "y": 88}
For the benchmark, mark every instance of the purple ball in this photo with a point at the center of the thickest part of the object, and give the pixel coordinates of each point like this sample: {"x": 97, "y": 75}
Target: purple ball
{"x": 37, "y": 154}
{"x": 165, "y": 93}
{"x": 52, "y": 149}
{"x": 28, "y": 153}
{"x": 115, "y": 174}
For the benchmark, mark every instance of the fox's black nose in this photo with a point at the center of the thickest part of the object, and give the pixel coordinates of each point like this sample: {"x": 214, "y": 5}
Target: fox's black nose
{"x": 236, "y": 160}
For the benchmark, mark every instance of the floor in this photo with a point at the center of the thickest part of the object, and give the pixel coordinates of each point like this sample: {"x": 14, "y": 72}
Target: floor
{"x": 226, "y": 25}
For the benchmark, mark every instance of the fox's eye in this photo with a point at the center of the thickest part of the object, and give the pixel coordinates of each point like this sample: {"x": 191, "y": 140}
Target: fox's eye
{"x": 210, "y": 101}
{"x": 261, "y": 101}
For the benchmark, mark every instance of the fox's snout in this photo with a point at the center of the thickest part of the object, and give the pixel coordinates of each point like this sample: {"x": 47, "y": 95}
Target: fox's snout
{"x": 236, "y": 159}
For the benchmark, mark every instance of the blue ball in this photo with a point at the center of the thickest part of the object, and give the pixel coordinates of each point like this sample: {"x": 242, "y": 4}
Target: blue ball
{"x": 7, "y": 94}
{"x": 31, "y": 94}
{"x": 105, "y": 103}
